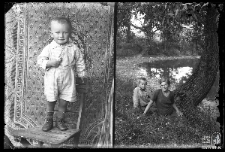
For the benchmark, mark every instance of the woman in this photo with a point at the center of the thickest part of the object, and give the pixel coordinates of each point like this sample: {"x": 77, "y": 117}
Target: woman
{"x": 164, "y": 100}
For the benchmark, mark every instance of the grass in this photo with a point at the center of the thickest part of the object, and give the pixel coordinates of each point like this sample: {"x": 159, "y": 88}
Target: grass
{"x": 152, "y": 131}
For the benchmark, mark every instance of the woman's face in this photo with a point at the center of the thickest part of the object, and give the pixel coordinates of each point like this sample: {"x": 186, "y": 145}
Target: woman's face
{"x": 164, "y": 86}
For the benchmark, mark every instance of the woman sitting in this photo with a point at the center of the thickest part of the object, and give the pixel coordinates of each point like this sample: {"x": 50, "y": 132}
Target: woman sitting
{"x": 164, "y": 101}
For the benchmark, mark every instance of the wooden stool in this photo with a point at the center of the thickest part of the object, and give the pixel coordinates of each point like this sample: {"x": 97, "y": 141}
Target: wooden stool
{"x": 54, "y": 137}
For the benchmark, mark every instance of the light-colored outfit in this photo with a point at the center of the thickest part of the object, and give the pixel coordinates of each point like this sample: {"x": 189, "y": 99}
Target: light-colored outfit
{"x": 61, "y": 81}
{"x": 140, "y": 97}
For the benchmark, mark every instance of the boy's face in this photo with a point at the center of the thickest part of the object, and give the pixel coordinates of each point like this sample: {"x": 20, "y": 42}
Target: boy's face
{"x": 60, "y": 32}
{"x": 142, "y": 84}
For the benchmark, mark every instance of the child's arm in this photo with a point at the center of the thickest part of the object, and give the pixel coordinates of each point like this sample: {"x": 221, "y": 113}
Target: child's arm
{"x": 80, "y": 65}
{"x": 148, "y": 106}
{"x": 142, "y": 102}
{"x": 135, "y": 98}
{"x": 81, "y": 80}
{"x": 43, "y": 58}
{"x": 44, "y": 62}
{"x": 53, "y": 63}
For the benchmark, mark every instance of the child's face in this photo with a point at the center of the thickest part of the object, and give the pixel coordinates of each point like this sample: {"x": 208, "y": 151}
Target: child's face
{"x": 142, "y": 84}
{"x": 60, "y": 32}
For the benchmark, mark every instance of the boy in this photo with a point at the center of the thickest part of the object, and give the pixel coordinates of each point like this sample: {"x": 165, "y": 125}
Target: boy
{"x": 140, "y": 95}
{"x": 62, "y": 62}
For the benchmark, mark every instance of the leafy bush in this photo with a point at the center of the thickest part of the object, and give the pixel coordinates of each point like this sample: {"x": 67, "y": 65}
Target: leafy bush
{"x": 128, "y": 49}
{"x": 151, "y": 47}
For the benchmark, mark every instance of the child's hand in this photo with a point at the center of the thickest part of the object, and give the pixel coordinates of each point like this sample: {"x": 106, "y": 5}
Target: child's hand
{"x": 141, "y": 116}
{"x": 81, "y": 85}
{"x": 81, "y": 81}
{"x": 55, "y": 62}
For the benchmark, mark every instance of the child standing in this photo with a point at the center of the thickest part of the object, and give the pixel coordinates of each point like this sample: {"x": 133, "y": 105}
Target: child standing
{"x": 141, "y": 96}
{"x": 62, "y": 62}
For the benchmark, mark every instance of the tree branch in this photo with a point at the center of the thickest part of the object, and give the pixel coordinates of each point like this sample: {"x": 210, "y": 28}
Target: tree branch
{"x": 142, "y": 28}
{"x": 155, "y": 30}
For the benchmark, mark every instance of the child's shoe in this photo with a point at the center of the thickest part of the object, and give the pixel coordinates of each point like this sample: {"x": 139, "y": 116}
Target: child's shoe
{"x": 60, "y": 121}
{"x": 48, "y": 125}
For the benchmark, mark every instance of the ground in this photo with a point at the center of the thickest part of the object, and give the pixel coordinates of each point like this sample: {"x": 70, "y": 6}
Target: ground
{"x": 131, "y": 130}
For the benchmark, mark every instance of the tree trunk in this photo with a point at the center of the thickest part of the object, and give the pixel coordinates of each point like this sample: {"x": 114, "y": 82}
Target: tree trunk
{"x": 166, "y": 72}
{"x": 193, "y": 48}
{"x": 128, "y": 33}
{"x": 189, "y": 95}
{"x": 196, "y": 46}
{"x": 165, "y": 45}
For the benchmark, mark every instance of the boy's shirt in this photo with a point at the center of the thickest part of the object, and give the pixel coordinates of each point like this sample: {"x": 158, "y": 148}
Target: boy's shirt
{"x": 70, "y": 54}
{"x": 140, "y": 96}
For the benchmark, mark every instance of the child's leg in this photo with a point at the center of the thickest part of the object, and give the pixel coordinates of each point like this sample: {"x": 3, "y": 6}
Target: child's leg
{"x": 61, "y": 114}
{"x": 48, "y": 125}
{"x": 62, "y": 105}
{"x": 51, "y": 106}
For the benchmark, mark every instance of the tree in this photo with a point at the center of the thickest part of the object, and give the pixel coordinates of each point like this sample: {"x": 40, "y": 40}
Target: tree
{"x": 168, "y": 18}
{"x": 189, "y": 95}
{"x": 123, "y": 18}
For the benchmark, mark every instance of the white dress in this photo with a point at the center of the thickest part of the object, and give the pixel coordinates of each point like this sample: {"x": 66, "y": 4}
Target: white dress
{"x": 60, "y": 82}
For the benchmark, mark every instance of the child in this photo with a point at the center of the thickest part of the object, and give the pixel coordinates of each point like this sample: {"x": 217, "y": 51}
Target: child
{"x": 140, "y": 95}
{"x": 62, "y": 62}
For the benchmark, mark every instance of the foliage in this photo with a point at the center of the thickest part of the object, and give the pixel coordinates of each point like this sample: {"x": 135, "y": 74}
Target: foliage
{"x": 151, "y": 130}
{"x": 168, "y": 18}
{"x": 128, "y": 49}
{"x": 124, "y": 13}
{"x": 123, "y": 19}
{"x": 140, "y": 45}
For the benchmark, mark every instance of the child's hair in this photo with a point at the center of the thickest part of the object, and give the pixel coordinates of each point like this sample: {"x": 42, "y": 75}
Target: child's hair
{"x": 62, "y": 20}
{"x": 141, "y": 79}
{"x": 164, "y": 80}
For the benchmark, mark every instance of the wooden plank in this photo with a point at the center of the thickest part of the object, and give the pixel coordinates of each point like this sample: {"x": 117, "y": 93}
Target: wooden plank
{"x": 81, "y": 111}
{"x": 54, "y": 136}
